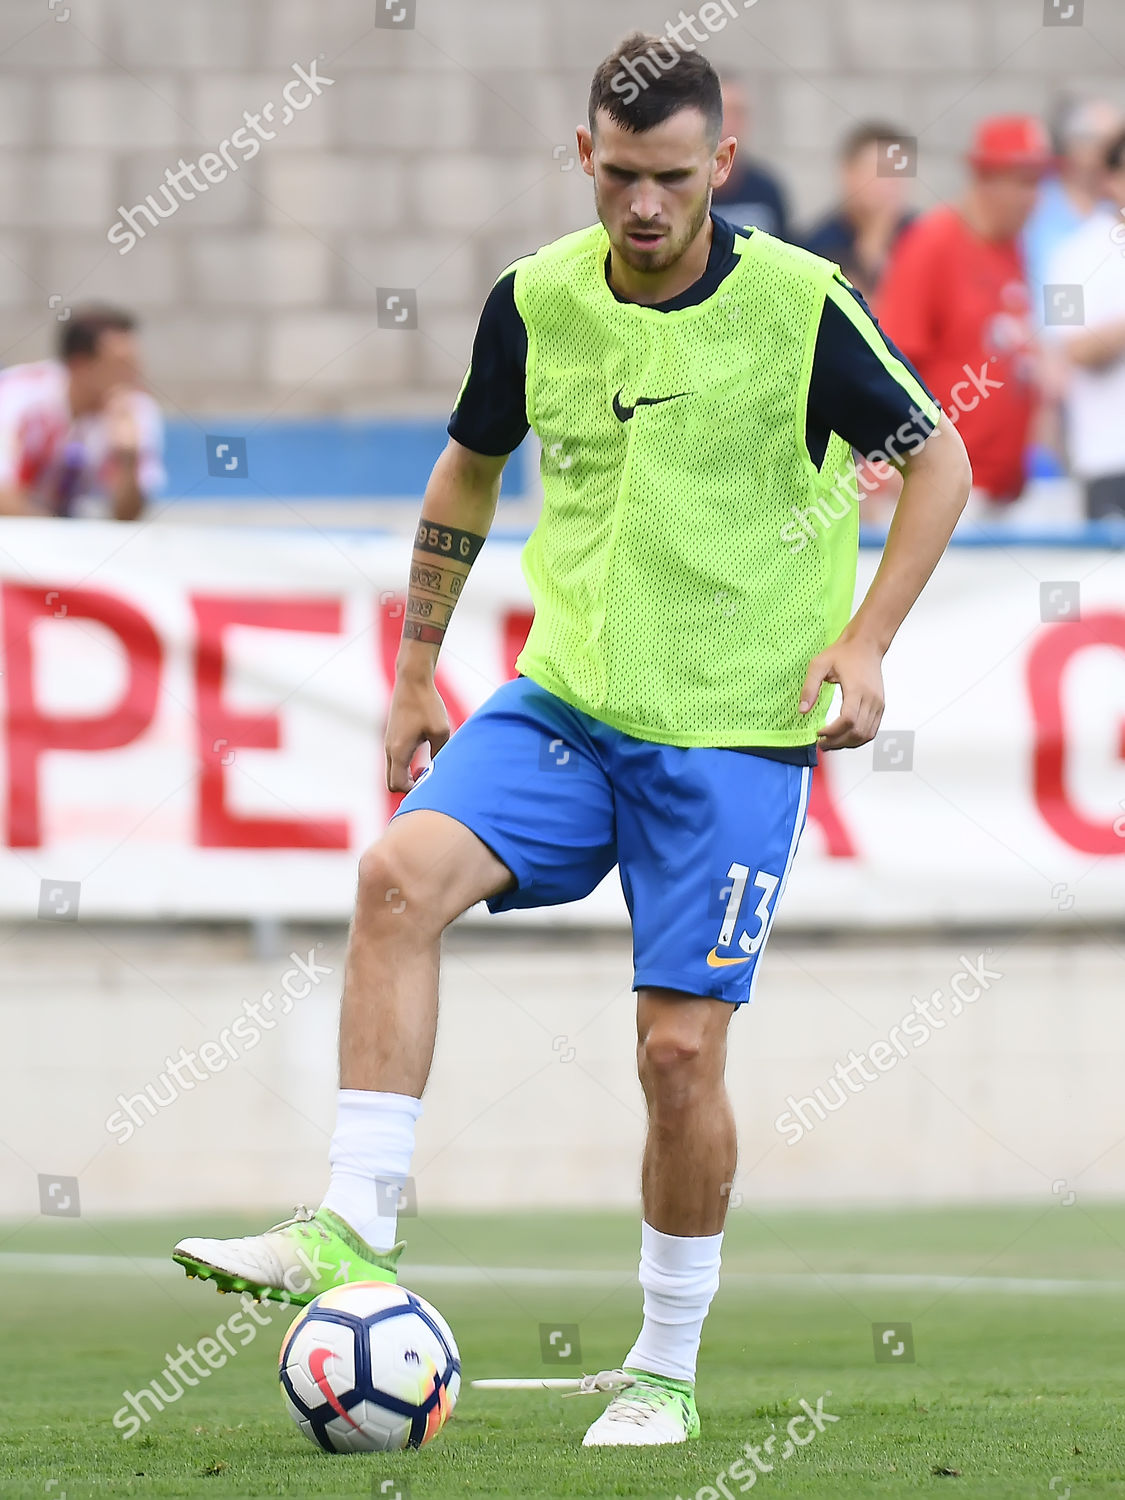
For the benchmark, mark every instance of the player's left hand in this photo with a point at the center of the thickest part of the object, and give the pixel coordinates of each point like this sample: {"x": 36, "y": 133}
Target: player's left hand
{"x": 121, "y": 421}
{"x": 858, "y": 669}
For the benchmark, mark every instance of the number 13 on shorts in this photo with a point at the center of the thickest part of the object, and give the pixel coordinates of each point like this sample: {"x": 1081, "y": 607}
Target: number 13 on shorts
{"x": 749, "y": 941}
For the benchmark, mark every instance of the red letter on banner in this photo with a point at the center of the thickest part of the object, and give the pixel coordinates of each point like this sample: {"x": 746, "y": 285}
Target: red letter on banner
{"x": 222, "y": 729}
{"x": 838, "y": 842}
{"x": 1047, "y": 663}
{"x": 32, "y": 733}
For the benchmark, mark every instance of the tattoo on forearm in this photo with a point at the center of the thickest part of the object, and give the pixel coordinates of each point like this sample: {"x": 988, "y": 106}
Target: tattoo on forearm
{"x": 414, "y": 630}
{"x": 436, "y": 580}
{"x": 443, "y": 556}
{"x": 448, "y": 542}
{"x": 434, "y": 610}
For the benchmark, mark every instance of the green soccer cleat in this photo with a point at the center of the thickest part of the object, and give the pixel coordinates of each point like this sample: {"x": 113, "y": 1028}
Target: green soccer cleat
{"x": 292, "y": 1262}
{"x": 653, "y": 1409}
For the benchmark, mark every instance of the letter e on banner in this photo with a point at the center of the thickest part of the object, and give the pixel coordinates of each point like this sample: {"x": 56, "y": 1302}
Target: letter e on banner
{"x": 220, "y": 726}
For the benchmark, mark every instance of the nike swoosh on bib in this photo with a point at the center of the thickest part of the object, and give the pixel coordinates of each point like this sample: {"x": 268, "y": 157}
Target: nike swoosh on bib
{"x": 625, "y": 413}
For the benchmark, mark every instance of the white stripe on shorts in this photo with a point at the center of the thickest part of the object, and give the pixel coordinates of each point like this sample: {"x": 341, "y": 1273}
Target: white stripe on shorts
{"x": 798, "y": 824}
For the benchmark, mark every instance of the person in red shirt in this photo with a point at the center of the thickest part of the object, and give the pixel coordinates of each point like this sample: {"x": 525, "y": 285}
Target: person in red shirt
{"x": 955, "y": 300}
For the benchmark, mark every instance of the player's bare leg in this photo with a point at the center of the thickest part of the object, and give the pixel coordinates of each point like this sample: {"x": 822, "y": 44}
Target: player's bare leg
{"x": 424, "y": 871}
{"x": 691, "y": 1150}
{"x": 686, "y": 1175}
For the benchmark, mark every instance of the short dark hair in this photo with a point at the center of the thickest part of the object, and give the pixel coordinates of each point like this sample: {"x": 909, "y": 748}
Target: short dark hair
{"x": 82, "y": 331}
{"x": 867, "y": 133}
{"x": 647, "y": 79}
{"x": 1115, "y": 153}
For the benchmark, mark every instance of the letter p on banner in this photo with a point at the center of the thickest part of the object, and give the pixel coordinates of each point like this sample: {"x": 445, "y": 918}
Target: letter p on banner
{"x": 33, "y": 732}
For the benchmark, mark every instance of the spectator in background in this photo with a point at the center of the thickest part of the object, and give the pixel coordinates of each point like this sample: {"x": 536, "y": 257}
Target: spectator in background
{"x": 1092, "y": 259}
{"x": 956, "y": 302}
{"x": 859, "y": 234}
{"x": 1070, "y": 196}
{"x": 78, "y": 435}
{"x": 751, "y": 195}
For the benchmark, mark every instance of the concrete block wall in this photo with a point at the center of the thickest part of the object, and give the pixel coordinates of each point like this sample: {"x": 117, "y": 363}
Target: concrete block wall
{"x": 534, "y": 1100}
{"x": 440, "y": 152}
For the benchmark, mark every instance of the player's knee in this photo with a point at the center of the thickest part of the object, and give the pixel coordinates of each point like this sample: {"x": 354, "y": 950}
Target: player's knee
{"x": 680, "y": 1064}
{"x": 390, "y": 891}
{"x": 670, "y": 1055}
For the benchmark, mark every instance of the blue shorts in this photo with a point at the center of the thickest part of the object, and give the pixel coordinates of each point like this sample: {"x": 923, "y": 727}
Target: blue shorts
{"x": 704, "y": 839}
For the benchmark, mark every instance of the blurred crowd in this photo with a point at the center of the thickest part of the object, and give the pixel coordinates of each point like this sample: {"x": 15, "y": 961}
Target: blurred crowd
{"x": 1008, "y": 302}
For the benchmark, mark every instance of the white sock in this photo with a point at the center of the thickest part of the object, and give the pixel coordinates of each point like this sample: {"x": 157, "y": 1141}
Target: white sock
{"x": 370, "y": 1156}
{"x": 679, "y": 1276}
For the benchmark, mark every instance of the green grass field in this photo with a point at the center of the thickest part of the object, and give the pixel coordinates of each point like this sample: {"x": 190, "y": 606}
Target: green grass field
{"x": 1017, "y": 1389}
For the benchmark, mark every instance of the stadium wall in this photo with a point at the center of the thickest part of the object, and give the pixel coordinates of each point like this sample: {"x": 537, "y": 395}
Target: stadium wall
{"x": 534, "y": 1099}
{"x": 441, "y": 150}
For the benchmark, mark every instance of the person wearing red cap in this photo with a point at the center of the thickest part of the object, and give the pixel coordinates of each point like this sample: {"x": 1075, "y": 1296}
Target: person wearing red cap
{"x": 955, "y": 300}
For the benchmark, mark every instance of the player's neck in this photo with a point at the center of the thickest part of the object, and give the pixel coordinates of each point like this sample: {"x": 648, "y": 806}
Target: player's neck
{"x": 650, "y": 288}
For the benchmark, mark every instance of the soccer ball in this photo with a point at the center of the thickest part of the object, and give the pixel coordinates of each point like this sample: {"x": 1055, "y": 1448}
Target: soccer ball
{"x": 370, "y": 1367}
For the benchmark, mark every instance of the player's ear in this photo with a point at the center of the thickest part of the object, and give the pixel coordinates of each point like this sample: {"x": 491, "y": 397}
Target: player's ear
{"x": 724, "y": 161}
{"x": 586, "y": 150}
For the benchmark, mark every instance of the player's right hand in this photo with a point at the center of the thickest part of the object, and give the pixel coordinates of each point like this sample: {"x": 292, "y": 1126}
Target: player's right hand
{"x": 416, "y": 717}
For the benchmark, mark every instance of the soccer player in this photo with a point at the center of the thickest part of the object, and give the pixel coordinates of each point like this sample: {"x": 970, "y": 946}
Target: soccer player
{"x": 78, "y": 434}
{"x": 696, "y": 390}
